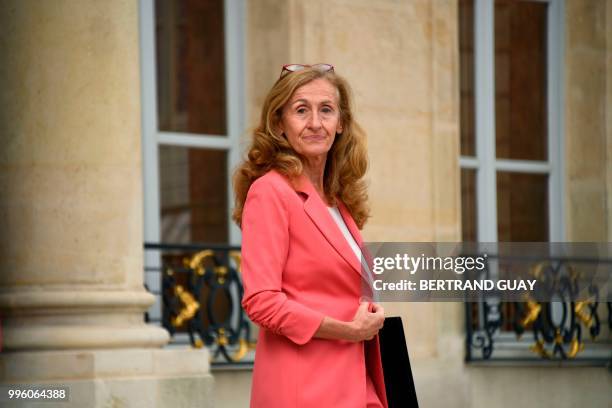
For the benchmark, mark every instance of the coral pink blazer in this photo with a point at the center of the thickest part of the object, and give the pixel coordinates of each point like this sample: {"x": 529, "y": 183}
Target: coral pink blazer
{"x": 297, "y": 268}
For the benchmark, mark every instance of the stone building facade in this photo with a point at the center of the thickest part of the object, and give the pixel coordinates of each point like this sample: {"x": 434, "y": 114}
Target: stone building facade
{"x": 80, "y": 192}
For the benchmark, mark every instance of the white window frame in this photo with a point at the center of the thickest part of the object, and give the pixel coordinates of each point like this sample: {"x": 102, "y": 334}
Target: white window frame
{"x": 485, "y": 162}
{"x": 153, "y": 138}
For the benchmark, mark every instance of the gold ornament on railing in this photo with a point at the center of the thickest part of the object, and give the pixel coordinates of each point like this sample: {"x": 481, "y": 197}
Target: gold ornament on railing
{"x": 237, "y": 257}
{"x": 537, "y": 269}
{"x": 189, "y": 309}
{"x": 208, "y": 276}
{"x": 222, "y": 339}
{"x": 582, "y": 315}
{"x": 533, "y": 311}
{"x": 196, "y": 261}
{"x": 539, "y": 349}
{"x": 243, "y": 348}
{"x": 221, "y": 274}
{"x": 575, "y": 348}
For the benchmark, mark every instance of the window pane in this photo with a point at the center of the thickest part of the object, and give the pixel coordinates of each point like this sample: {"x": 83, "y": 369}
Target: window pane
{"x": 520, "y": 79}
{"x": 191, "y": 66}
{"x": 522, "y": 207}
{"x": 468, "y": 205}
{"x": 193, "y": 195}
{"x": 466, "y": 68}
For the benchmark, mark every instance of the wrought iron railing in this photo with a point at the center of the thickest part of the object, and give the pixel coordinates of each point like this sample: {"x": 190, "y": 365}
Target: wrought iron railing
{"x": 536, "y": 331}
{"x": 200, "y": 290}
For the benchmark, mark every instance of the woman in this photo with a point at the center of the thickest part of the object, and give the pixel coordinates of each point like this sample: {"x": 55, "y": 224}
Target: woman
{"x": 300, "y": 201}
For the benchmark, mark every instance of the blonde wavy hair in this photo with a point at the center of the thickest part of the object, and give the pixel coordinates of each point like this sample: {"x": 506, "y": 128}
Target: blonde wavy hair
{"x": 346, "y": 162}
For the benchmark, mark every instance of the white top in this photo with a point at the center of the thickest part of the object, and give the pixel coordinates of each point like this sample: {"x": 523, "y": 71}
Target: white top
{"x": 335, "y": 213}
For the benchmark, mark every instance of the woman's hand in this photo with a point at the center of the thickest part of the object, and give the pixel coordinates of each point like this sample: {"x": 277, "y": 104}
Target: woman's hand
{"x": 366, "y": 324}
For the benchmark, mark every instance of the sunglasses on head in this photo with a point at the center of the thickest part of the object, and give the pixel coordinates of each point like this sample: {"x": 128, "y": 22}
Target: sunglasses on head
{"x": 287, "y": 68}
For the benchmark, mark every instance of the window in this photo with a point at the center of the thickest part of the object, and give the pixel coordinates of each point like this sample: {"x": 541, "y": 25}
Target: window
{"x": 510, "y": 120}
{"x": 192, "y": 119}
{"x": 510, "y": 136}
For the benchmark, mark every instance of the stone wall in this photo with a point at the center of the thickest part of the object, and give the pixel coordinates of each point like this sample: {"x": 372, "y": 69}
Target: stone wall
{"x": 587, "y": 116}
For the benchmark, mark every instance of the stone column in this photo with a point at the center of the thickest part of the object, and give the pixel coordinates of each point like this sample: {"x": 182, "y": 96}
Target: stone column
{"x": 71, "y": 257}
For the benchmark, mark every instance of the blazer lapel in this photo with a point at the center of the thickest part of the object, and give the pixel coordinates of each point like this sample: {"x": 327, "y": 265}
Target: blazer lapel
{"x": 320, "y": 216}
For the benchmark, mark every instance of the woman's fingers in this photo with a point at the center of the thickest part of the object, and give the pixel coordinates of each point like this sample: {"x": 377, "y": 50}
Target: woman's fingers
{"x": 379, "y": 311}
{"x": 376, "y": 308}
{"x": 370, "y": 318}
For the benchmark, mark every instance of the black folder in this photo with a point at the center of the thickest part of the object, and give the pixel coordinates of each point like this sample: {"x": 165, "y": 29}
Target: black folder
{"x": 399, "y": 383}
